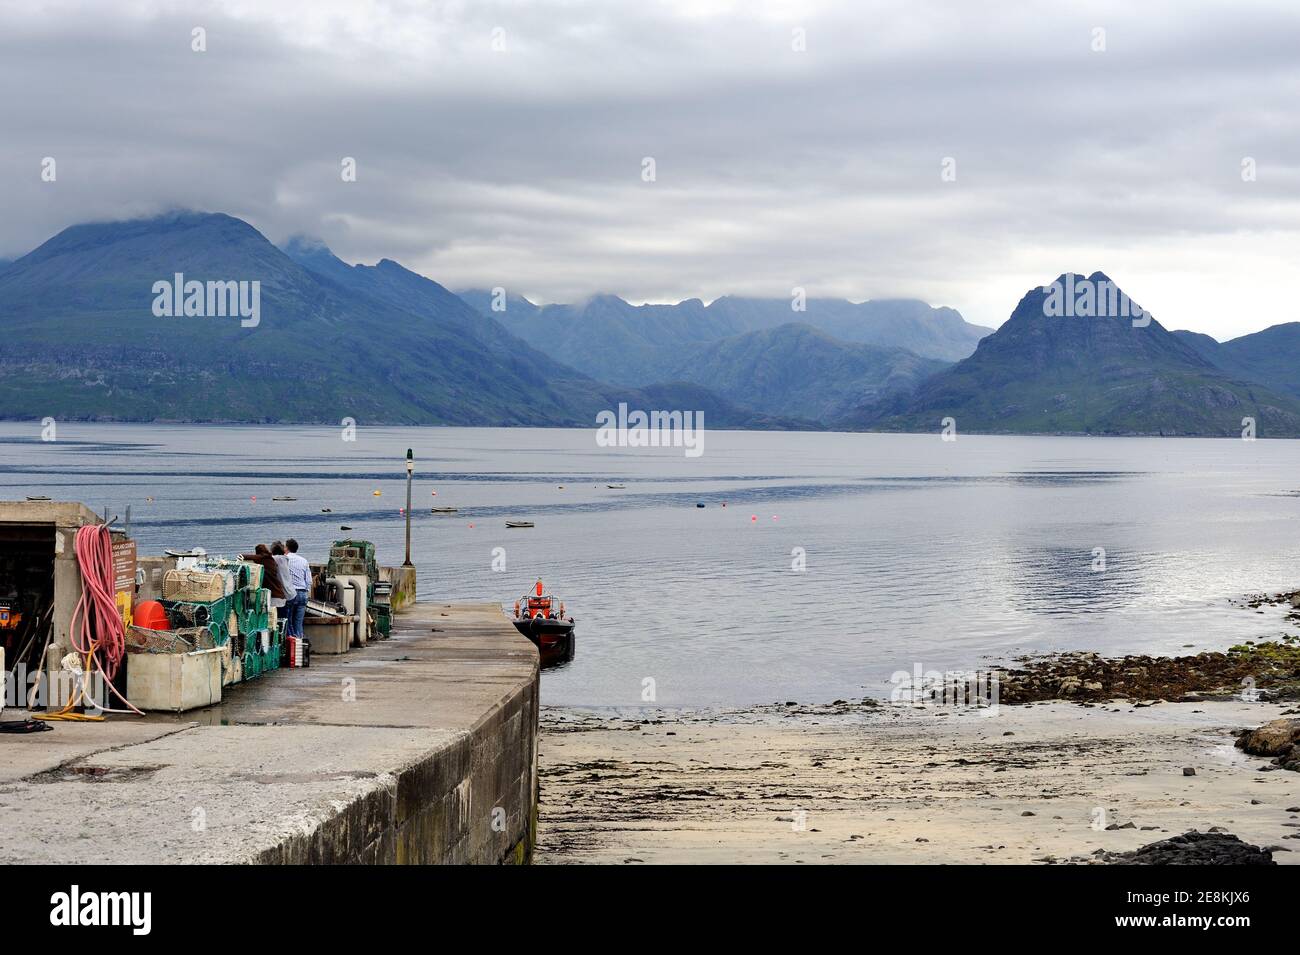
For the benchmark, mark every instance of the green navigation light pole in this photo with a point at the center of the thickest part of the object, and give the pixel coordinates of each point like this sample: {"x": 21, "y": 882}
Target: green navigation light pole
{"x": 410, "y": 469}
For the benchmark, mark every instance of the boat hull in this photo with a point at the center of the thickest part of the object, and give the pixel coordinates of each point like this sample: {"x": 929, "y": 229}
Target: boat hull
{"x": 554, "y": 639}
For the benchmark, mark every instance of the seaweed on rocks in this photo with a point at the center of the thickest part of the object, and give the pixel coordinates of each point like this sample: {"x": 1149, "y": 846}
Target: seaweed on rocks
{"x": 1195, "y": 848}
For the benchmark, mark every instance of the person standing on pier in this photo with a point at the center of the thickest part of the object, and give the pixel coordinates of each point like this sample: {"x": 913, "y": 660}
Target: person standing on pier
{"x": 281, "y": 557}
{"x": 300, "y": 581}
{"x": 270, "y": 574}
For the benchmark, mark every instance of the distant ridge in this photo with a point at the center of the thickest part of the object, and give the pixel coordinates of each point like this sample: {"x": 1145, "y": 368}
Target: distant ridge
{"x": 1089, "y": 375}
{"x": 606, "y": 323}
{"x": 1270, "y": 357}
{"x": 818, "y": 363}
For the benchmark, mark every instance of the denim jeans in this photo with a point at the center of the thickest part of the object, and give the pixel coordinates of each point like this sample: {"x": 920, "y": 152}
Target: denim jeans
{"x": 296, "y": 610}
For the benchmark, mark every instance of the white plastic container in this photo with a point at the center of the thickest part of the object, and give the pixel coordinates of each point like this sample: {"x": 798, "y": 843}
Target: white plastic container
{"x": 174, "y": 682}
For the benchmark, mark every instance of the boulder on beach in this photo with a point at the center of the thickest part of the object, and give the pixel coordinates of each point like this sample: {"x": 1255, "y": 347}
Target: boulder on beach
{"x": 1195, "y": 848}
{"x": 1279, "y": 739}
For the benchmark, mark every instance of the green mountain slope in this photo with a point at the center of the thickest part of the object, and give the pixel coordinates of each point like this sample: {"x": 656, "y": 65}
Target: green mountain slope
{"x": 1040, "y": 374}
{"x": 1270, "y": 357}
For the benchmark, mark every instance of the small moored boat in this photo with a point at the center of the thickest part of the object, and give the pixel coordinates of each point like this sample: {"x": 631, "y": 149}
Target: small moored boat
{"x": 537, "y": 619}
{"x": 616, "y": 487}
{"x": 284, "y": 498}
{"x": 520, "y": 524}
{"x": 442, "y": 510}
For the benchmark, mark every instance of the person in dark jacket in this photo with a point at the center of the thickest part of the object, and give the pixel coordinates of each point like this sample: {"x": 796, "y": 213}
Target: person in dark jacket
{"x": 270, "y": 572}
{"x": 271, "y": 579}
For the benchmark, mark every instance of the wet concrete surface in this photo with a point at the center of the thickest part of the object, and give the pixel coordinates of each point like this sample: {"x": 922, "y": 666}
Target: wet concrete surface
{"x": 281, "y": 758}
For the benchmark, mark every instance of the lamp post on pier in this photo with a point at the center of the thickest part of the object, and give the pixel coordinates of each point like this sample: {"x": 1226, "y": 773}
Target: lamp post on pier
{"x": 410, "y": 470}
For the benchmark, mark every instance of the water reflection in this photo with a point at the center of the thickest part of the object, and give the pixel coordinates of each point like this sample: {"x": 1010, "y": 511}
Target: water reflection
{"x": 915, "y": 550}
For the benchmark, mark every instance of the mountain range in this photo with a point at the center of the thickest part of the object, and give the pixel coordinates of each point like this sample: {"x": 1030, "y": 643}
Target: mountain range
{"x": 82, "y": 337}
{"x": 79, "y": 340}
{"x": 818, "y": 362}
{"x": 1045, "y": 373}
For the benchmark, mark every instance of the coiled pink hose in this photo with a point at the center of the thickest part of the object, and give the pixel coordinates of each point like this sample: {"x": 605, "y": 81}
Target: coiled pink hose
{"x": 101, "y": 636}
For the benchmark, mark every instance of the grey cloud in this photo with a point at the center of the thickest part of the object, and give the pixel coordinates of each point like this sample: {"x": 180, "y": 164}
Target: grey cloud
{"x": 775, "y": 168}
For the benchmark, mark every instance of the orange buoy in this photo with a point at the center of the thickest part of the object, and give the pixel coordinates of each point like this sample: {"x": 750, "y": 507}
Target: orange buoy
{"x": 539, "y": 587}
{"x": 151, "y": 615}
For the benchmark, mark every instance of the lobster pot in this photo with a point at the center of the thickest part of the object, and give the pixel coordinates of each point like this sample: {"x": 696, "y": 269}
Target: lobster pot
{"x": 347, "y": 567}
{"x": 253, "y": 607}
{"x": 274, "y": 653}
{"x": 198, "y": 586}
{"x": 252, "y": 575}
{"x": 261, "y": 653}
{"x": 232, "y": 665}
{"x": 218, "y": 616}
{"x": 179, "y": 640}
{"x": 354, "y": 558}
{"x": 245, "y": 572}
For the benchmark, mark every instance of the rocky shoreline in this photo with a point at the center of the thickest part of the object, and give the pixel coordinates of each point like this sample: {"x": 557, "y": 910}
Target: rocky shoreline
{"x": 1269, "y": 671}
{"x": 1195, "y": 848}
{"x": 1279, "y": 739}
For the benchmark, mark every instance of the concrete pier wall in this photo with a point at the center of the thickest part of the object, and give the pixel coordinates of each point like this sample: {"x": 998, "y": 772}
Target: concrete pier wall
{"x": 403, "y": 581}
{"x": 417, "y": 749}
{"x": 471, "y": 800}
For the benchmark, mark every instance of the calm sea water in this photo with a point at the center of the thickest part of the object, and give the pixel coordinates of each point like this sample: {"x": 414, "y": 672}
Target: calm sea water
{"x": 917, "y": 551}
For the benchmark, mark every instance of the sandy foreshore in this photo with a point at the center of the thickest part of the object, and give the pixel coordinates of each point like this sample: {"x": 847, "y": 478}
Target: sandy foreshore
{"x": 1043, "y": 783}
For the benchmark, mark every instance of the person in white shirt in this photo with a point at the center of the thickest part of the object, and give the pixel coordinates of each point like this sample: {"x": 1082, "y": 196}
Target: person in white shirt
{"x": 286, "y": 581}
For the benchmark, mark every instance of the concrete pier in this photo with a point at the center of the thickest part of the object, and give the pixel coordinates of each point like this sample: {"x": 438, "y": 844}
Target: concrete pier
{"x": 417, "y": 749}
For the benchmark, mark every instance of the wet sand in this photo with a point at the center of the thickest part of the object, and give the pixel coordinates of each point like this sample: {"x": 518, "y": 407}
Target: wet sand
{"x": 895, "y": 784}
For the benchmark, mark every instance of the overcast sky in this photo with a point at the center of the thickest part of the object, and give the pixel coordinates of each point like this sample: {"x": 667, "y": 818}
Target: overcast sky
{"x": 775, "y": 167}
